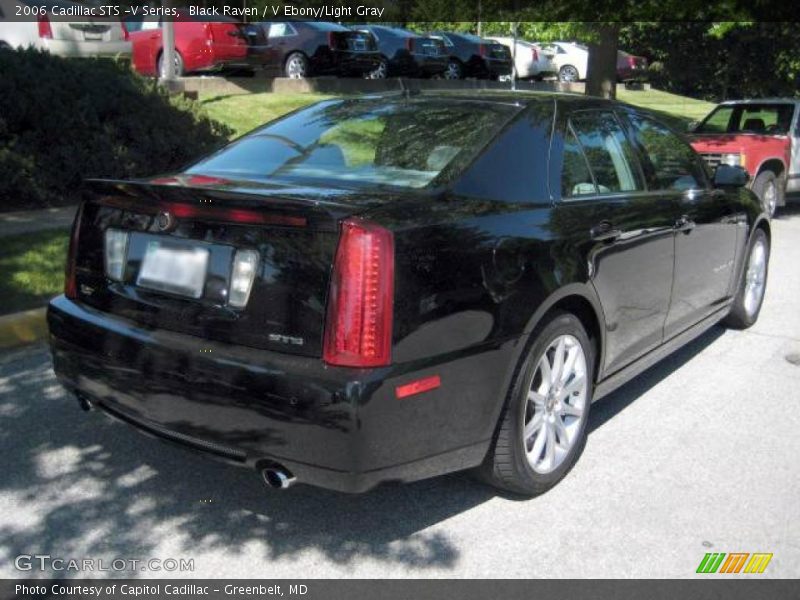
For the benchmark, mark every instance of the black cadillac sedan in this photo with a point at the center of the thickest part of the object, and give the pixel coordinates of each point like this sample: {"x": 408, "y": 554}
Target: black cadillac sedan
{"x": 395, "y": 287}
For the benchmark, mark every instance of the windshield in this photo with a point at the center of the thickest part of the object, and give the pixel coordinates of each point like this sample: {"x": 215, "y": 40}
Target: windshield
{"x": 395, "y": 142}
{"x": 771, "y": 119}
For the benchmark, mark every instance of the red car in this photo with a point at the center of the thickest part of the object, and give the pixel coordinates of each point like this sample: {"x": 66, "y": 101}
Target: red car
{"x": 631, "y": 67}
{"x": 763, "y": 137}
{"x": 202, "y": 45}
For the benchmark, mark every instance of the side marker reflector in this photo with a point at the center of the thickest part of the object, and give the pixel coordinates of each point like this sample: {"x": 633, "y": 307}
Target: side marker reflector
{"x": 417, "y": 387}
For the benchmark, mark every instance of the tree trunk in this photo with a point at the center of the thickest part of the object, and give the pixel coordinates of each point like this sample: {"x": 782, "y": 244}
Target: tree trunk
{"x": 601, "y": 79}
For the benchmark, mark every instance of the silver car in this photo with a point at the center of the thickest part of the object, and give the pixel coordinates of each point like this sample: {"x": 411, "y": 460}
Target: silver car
{"x": 62, "y": 28}
{"x": 530, "y": 62}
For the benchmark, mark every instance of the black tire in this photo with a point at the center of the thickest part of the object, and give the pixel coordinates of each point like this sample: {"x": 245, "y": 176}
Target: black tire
{"x": 296, "y": 66}
{"x": 743, "y": 315}
{"x": 179, "y": 68}
{"x": 767, "y": 183}
{"x": 507, "y": 466}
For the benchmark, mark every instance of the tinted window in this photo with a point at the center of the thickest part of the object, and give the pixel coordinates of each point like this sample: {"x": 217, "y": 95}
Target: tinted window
{"x": 607, "y": 151}
{"x": 576, "y": 179}
{"x": 674, "y": 165}
{"x": 280, "y": 30}
{"x": 363, "y": 142}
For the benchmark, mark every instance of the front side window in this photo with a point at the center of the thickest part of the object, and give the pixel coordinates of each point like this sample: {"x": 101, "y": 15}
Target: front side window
{"x": 673, "y": 165}
{"x": 363, "y": 143}
{"x": 609, "y": 154}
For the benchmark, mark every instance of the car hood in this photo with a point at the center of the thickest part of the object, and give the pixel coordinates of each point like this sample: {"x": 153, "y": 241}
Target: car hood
{"x": 730, "y": 142}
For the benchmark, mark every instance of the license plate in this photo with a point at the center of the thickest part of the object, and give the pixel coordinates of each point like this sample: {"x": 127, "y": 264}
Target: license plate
{"x": 173, "y": 269}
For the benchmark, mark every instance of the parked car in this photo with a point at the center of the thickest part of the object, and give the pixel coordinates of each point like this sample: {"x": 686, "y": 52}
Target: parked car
{"x": 631, "y": 67}
{"x": 201, "y": 44}
{"x": 387, "y": 288}
{"x": 473, "y": 56}
{"x": 761, "y": 136}
{"x": 404, "y": 52}
{"x": 530, "y": 61}
{"x": 62, "y": 36}
{"x": 571, "y": 60}
{"x": 300, "y": 49}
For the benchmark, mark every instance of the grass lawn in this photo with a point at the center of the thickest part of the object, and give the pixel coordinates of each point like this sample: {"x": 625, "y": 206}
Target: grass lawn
{"x": 31, "y": 269}
{"x": 675, "y": 110}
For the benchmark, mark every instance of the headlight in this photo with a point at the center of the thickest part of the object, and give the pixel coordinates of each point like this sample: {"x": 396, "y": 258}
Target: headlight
{"x": 733, "y": 160}
{"x": 116, "y": 250}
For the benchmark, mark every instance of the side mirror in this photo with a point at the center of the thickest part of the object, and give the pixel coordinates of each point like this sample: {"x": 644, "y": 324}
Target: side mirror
{"x": 692, "y": 126}
{"x": 728, "y": 176}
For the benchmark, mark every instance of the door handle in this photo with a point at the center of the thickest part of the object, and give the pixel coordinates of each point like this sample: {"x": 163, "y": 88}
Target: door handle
{"x": 684, "y": 224}
{"x": 604, "y": 232}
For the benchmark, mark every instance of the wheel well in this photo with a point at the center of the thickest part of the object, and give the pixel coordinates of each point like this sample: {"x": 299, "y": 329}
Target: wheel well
{"x": 773, "y": 164}
{"x": 582, "y": 308}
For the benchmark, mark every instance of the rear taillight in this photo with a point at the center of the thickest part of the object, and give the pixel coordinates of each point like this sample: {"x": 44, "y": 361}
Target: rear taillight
{"x": 631, "y": 61}
{"x": 45, "y": 31}
{"x": 209, "y": 34}
{"x": 482, "y": 49}
{"x": 535, "y": 54}
{"x": 245, "y": 264}
{"x": 331, "y": 40}
{"x": 125, "y": 33}
{"x": 70, "y": 278}
{"x": 410, "y": 44}
{"x": 116, "y": 251}
{"x": 358, "y": 328}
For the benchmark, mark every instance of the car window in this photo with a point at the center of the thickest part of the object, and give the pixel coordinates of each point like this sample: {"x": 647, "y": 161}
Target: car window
{"x": 362, "y": 143}
{"x": 280, "y": 30}
{"x": 444, "y": 38}
{"x": 673, "y": 163}
{"x": 576, "y": 179}
{"x": 772, "y": 119}
{"x": 608, "y": 152}
{"x": 717, "y": 122}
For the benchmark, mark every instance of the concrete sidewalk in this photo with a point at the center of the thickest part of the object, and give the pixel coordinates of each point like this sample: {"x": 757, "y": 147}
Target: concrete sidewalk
{"x": 30, "y": 221}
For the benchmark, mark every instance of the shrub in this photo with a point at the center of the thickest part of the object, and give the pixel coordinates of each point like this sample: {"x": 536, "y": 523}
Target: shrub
{"x": 63, "y": 120}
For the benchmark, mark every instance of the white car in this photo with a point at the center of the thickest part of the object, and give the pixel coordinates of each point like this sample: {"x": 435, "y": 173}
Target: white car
{"x": 571, "y": 59}
{"x": 529, "y": 60}
{"x": 33, "y": 23}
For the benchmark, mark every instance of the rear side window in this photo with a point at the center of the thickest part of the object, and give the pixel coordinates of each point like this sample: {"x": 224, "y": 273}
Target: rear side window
{"x": 576, "y": 179}
{"x": 608, "y": 153}
{"x": 673, "y": 165}
{"x": 280, "y": 30}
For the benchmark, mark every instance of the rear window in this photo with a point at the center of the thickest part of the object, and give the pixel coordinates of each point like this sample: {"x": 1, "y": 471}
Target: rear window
{"x": 771, "y": 119}
{"x": 363, "y": 143}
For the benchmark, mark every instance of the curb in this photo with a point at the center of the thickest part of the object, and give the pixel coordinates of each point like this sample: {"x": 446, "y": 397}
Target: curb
{"x": 23, "y": 327}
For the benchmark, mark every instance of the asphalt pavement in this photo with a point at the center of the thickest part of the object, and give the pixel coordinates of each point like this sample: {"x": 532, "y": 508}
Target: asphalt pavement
{"x": 700, "y": 454}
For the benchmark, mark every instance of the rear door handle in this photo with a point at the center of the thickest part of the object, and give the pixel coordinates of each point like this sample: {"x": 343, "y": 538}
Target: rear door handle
{"x": 604, "y": 232}
{"x": 684, "y": 224}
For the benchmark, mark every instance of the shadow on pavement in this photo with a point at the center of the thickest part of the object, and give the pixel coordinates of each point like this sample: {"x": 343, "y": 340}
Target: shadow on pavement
{"x": 80, "y": 485}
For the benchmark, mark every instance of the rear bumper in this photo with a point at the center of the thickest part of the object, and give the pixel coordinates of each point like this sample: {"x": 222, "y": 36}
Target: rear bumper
{"x": 356, "y": 63}
{"x": 77, "y": 48}
{"x": 341, "y": 429}
{"x": 496, "y": 67}
{"x": 428, "y": 66}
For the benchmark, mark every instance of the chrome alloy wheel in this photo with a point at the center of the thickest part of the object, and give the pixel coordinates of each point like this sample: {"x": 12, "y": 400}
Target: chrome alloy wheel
{"x": 296, "y": 67}
{"x": 568, "y": 74}
{"x": 556, "y": 404}
{"x": 756, "y": 277}
{"x": 770, "y": 198}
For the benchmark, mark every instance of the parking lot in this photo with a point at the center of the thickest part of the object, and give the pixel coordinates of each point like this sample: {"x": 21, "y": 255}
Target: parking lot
{"x": 700, "y": 454}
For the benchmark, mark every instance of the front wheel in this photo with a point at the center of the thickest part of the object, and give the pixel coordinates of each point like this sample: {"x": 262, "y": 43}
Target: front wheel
{"x": 768, "y": 189}
{"x": 296, "y": 66}
{"x": 454, "y": 70}
{"x": 750, "y": 296}
{"x": 179, "y": 69}
{"x": 380, "y": 72}
{"x": 543, "y": 428}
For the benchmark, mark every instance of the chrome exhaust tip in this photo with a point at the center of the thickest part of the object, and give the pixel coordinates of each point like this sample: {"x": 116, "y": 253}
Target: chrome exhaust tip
{"x": 84, "y": 403}
{"x": 278, "y": 478}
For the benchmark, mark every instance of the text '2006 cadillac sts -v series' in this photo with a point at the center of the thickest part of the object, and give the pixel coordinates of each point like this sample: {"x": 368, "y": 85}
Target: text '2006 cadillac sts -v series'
{"x": 394, "y": 287}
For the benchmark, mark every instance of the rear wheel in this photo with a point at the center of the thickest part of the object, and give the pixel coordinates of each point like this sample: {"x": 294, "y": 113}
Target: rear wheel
{"x": 179, "y": 72}
{"x": 767, "y": 186}
{"x": 568, "y": 74}
{"x": 454, "y": 70}
{"x": 750, "y": 296}
{"x": 379, "y": 72}
{"x": 543, "y": 428}
{"x": 296, "y": 66}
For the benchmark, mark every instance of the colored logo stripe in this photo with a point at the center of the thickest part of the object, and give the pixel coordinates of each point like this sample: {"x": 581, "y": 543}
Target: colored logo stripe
{"x": 713, "y": 562}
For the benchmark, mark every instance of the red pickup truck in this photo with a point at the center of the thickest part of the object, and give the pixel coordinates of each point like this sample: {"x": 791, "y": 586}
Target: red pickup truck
{"x": 763, "y": 136}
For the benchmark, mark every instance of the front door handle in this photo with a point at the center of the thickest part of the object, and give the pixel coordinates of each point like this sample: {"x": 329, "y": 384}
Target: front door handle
{"x": 684, "y": 224}
{"x": 604, "y": 232}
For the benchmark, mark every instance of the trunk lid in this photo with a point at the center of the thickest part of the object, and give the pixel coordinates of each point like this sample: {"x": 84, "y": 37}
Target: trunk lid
{"x": 292, "y": 231}
{"x": 353, "y": 41}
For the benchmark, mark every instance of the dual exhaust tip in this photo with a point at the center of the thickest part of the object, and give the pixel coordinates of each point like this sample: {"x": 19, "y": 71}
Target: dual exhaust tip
{"x": 275, "y": 476}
